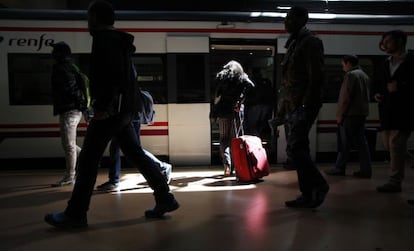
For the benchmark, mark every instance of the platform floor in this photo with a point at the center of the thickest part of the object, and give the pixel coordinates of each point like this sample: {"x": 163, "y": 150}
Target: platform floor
{"x": 216, "y": 214}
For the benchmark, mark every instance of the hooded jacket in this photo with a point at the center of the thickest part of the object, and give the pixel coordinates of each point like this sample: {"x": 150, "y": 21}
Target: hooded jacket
{"x": 112, "y": 80}
{"x": 67, "y": 95}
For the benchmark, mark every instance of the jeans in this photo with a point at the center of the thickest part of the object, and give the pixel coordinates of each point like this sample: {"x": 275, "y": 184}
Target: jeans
{"x": 352, "y": 136}
{"x": 114, "y": 165}
{"x": 68, "y": 122}
{"x": 299, "y": 123}
{"x": 97, "y": 137}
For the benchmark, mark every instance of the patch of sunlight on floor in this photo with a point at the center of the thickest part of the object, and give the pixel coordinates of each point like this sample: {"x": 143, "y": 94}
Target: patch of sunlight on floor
{"x": 184, "y": 181}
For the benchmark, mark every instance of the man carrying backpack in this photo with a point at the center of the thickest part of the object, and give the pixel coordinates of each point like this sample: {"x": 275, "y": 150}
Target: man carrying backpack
{"x": 69, "y": 101}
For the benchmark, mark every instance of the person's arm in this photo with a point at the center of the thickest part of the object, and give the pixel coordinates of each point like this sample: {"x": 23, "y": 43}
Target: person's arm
{"x": 247, "y": 84}
{"x": 315, "y": 68}
{"x": 344, "y": 99}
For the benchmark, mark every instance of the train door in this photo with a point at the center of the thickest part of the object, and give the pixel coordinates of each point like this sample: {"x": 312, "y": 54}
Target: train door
{"x": 258, "y": 60}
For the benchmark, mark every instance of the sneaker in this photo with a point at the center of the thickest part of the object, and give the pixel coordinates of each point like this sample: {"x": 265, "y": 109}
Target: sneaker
{"x": 300, "y": 202}
{"x": 315, "y": 200}
{"x": 389, "y": 188}
{"x": 161, "y": 208}
{"x": 61, "y": 220}
{"x": 335, "y": 172}
{"x": 167, "y": 172}
{"x": 63, "y": 182}
{"x": 362, "y": 175}
{"x": 107, "y": 186}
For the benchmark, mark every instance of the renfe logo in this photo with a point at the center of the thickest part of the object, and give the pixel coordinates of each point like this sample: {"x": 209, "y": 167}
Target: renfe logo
{"x": 38, "y": 43}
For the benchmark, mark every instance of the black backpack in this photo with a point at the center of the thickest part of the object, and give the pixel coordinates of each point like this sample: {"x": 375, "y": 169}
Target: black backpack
{"x": 83, "y": 82}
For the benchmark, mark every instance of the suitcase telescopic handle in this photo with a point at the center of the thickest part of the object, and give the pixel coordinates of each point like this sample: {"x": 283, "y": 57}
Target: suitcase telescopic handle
{"x": 238, "y": 130}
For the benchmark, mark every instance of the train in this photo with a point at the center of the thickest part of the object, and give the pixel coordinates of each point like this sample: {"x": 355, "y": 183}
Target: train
{"x": 178, "y": 55}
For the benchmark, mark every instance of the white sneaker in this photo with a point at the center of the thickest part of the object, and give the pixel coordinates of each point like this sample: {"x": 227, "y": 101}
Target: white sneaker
{"x": 108, "y": 186}
{"x": 63, "y": 182}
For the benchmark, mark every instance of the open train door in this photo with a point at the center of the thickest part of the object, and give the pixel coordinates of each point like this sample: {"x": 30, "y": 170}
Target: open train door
{"x": 257, "y": 56}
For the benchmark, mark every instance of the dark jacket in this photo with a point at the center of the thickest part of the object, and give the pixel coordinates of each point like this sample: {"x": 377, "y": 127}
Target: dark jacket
{"x": 230, "y": 93}
{"x": 67, "y": 94}
{"x": 302, "y": 70}
{"x": 112, "y": 82}
{"x": 395, "y": 109}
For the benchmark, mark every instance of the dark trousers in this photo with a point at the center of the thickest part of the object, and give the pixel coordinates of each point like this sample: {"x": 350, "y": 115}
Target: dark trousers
{"x": 98, "y": 135}
{"x": 114, "y": 164}
{"x": 352, "y": 136}
{"x": 299, "y": 123}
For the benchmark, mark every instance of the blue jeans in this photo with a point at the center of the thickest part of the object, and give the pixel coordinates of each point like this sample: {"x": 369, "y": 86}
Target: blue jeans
{"x": 97, "y": 137}
{"x": 299, "y": 123}
{"x": 114, "y": 164}
{"x": 352, "y": 136}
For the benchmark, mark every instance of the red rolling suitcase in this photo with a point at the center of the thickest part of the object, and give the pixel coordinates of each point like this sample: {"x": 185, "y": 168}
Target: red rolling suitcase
{"x": 249, "y": 157}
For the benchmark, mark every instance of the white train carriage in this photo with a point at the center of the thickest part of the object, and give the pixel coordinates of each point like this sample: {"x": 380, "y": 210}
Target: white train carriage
{"x": 176, "y": 60}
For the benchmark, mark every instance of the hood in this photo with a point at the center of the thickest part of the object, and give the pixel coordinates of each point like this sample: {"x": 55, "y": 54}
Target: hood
{"x": 122, "y": 39}
{"x": 128, "y": 41}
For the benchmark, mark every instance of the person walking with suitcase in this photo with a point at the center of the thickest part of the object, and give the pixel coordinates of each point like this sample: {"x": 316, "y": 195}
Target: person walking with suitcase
{"x": 69, "y": 102}
{"x": 232, "y": 84}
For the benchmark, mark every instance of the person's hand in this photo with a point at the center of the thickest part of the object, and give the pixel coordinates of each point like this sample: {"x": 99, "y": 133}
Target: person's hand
{"x": 88, "y": 115}
{"x": 339, "y": 120}
{"x": 237, "y": 107}
{"x": 378, "y": 97}
{"x": 392, "y": 87}
{"x": 86, "y": 118}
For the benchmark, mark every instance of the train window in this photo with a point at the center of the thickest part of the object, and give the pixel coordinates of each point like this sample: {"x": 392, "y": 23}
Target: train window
{"x": 30, "y": 74}
{"x": 29, "y": 77}
{"x": 190, "y": 77}
{"x": 151, "y": 76}
{"x": 335, "y": 75}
